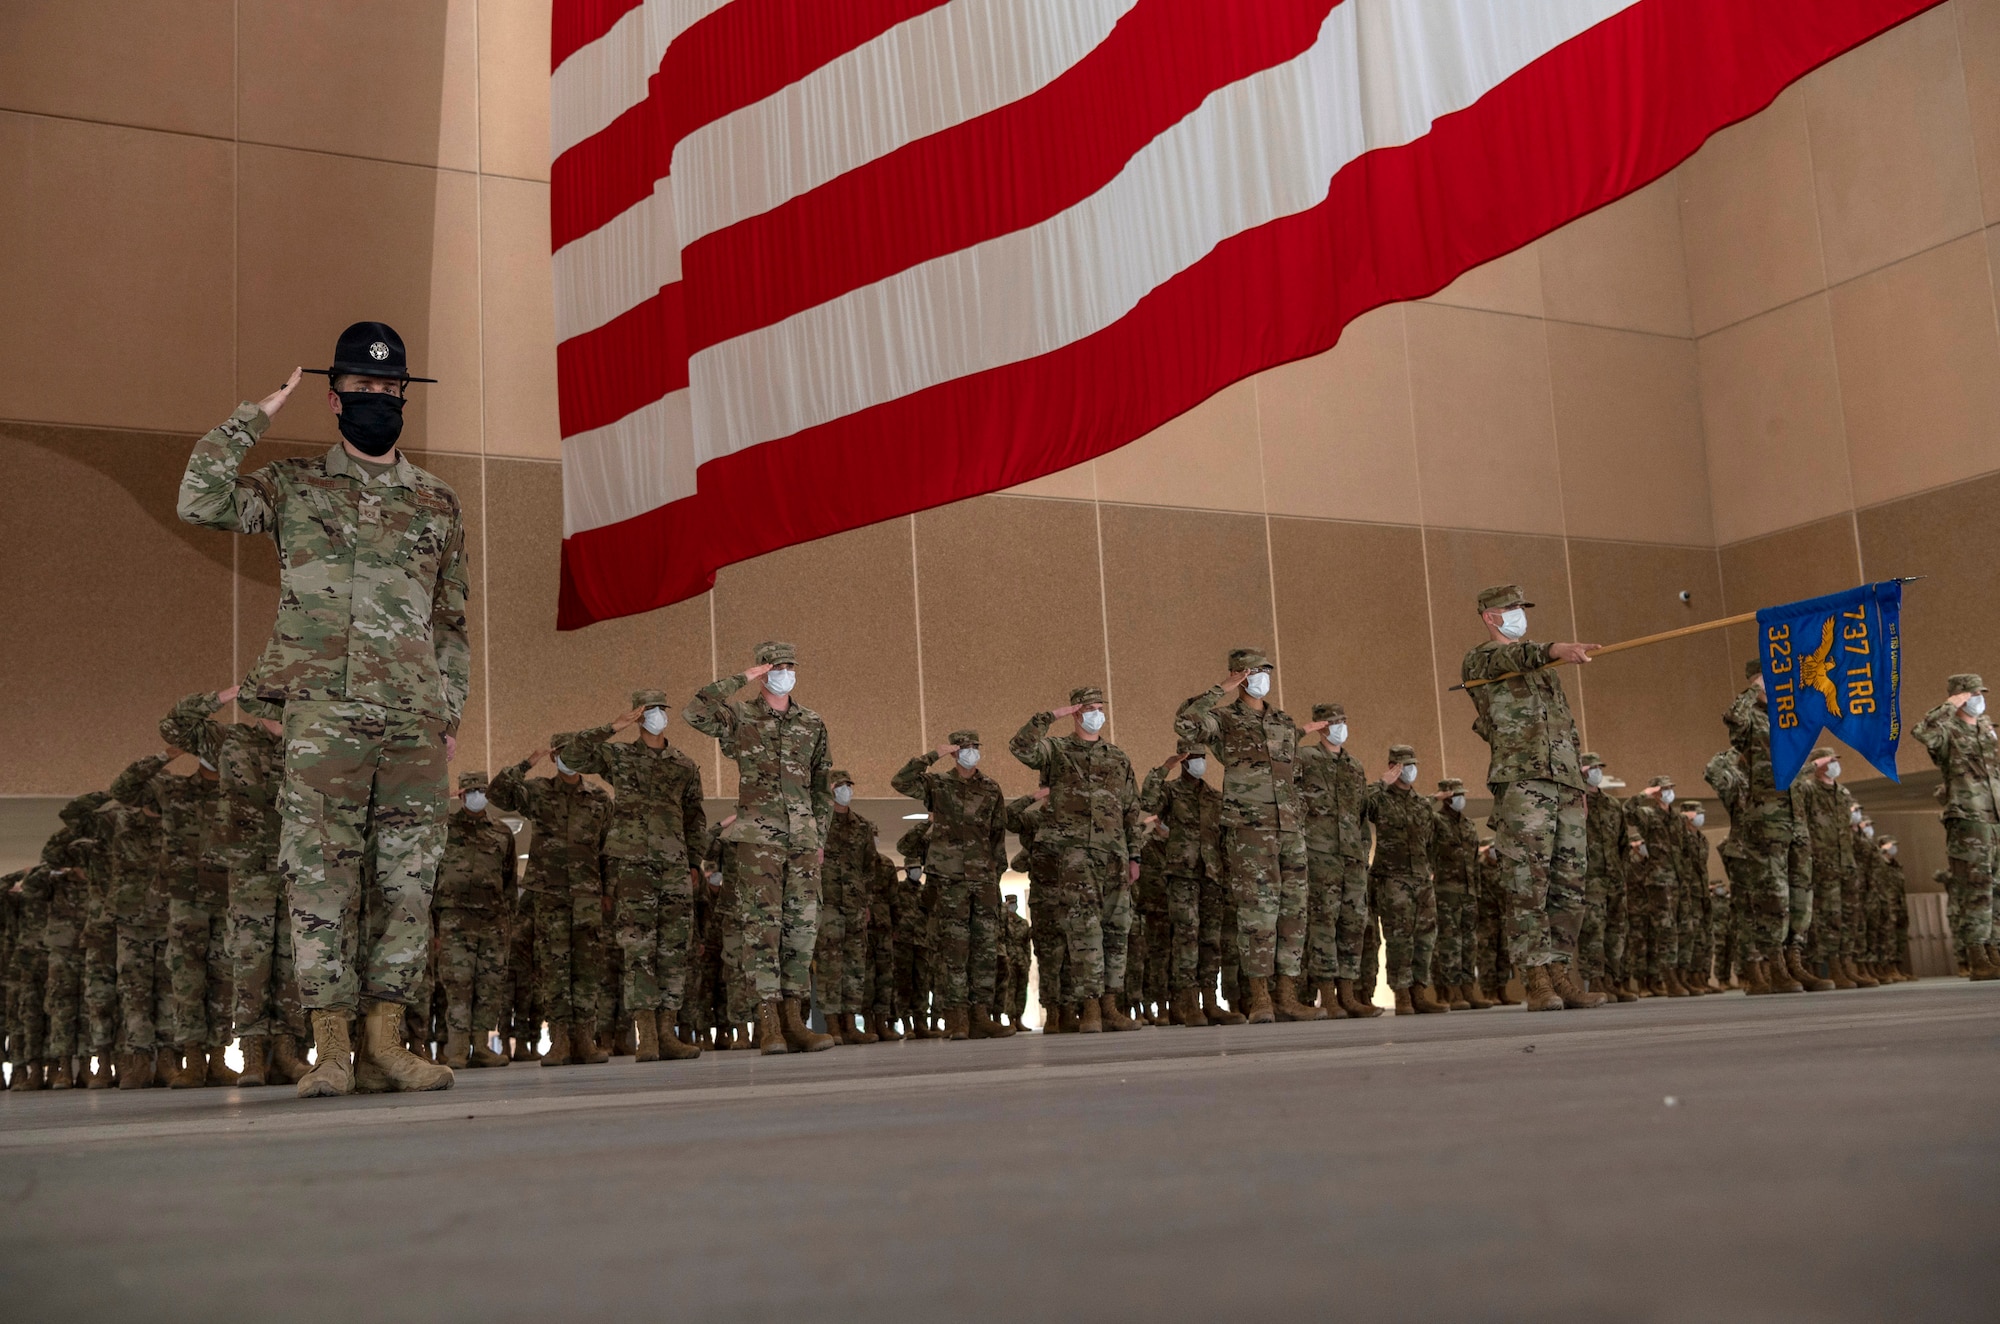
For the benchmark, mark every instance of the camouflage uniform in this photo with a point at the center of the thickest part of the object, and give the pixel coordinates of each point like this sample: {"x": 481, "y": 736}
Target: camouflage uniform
{"x": 1191, "y": 861}
{"x": 1601, "y": 939}
{"x": 1400, "y": 877}
{"x": 915, "y": 930}
{"x": 1016, "y": 954}
{"x": 965, "y": 853}
{"x": 1038, "y": 859}
{"x": 1263, "y": 849}
{"x": 28, "y": 968}
{"x": 1829, "y": 822}
{"x": 1730, "y": 776}
{"x": 1538, "y": 807}
{"x": 1332, "y": 787}
{"x": 1655, "y": 949}
{"x": 1152, "y": 938}
{"x": 847, "y": 882}
{"x": 1779, "y": 872}
{"x": 370, "y": 659}
{"x": 1896, "y": 885}
{"x": 1692, "y": 943}
{"x": 140, "y": 847}
{"x": 475, "y": 891}
{"x": 652, "y": 850}
{"x": 566, "y": 890}
{"x": 1092, "y": 821}
{"x": 69, "y": 857}
{"x": 882, "y": 938}
{"x": 1453, "y": 847}
{"x": 1967, "y": 755}
{"x": 783, "y": 804}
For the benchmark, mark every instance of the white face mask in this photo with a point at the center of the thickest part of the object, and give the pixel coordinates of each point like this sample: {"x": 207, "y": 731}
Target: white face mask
{"x": 1513, "y": 622}
{"x": 564, "y": 768}
{"x": 1833, "y": 769}
{"x": 1700, "y": 820}
{"x": 968, "y": 758}
{"x": 1408, "y": 774}
{"x": 1337, "y": 734}
{"x": 1976, "y": 705}
{"x": 475, "y": 802}
{"x": 1197, "y": 767}
{"x": 1868, "y": 830}
{"x": 655, "y": 721}
{"x": 781, "y": 681}
{"x": 715, "y": 879}
{"x": 1595, "y": 776}
{"x": 1458, "y": 804}
{"x": 1258, "y": 684}
{"x": 843, "y": 795}
{"x": 1667, "y": 796}
{"x": 1091, "y": 719}
{"x": 1854, "y": 817}
{"x": 1889, "y": 852}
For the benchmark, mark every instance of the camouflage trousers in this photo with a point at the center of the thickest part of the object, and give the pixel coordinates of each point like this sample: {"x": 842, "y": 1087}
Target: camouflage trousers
{"x": 653, "y": 920}
{"x": 882, "y": 966}
{"x": 1408, "y": 905}
{"x": 263, "y": 978}
{"x": 1326, "y": 877}
{"x": 1722, "y": 936}
{"x": 363, "y": 784}
{"x": 62, "y": 990}
{"x": 1971, "y": 846}
{"x": 1154, "y": 985}
{"x": 198, "y": 1004}
{"x": 1045, "y": 934}
{"x": 777, "y": 912}
{"x": 100, "y": 981}
{"x": 1183, "y": 940}
{"x": 1692, "y": 944}
{"x": 1765, "y": 898}
{"x": 1489, "y": 934}
{"x": 1827, "y": 940}
{"x": 1655, "y": 927}
{"x": 472, "y": 968}
{"x": 1590, "y": 933}
{"x": 1220, "y": 952}
{"x": 1266, "y": 870}
{"x": 1617, "y": 928}
{"x": 142, "y": 985}
{"x": 524, "y": 1007}
{"x": 1452, "y": 962}
{"x": 1114, "y": 912}
{"x": 968, "y": 927}
{"x": 1084, "y": 878}
{"x": 829, "y": 959}
{"x": 1374, "y": 949}
{"x": 1136, "y": 956}
{"x": 1011, "y": 996}
{"x": 1539, "y": 836}
{"x": 27, "y": 995}
{"x": 569, "y": 955}
{"x": 1352, "y": 924}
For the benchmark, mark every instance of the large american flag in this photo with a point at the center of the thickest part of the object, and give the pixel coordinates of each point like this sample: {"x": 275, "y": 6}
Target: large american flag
{"x": 824, "y": 262}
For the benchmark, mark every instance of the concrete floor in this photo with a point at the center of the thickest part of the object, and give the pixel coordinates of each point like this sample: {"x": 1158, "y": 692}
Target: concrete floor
{"x": 1820, "y": 1157}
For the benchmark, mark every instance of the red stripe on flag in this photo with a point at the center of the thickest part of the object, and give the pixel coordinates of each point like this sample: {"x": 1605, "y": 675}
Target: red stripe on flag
{"x": 626, "y": 364}
{"x": 1006, "y": 170}
{"x": 1625, "y": 103}
{"x": 574, "y": 24}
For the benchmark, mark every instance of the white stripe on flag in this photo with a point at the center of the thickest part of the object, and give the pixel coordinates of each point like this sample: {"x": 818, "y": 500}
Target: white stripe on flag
{"x": 617, "y": 266}
{"x": 642, "y": 462}
{"x": 603, "y": 79}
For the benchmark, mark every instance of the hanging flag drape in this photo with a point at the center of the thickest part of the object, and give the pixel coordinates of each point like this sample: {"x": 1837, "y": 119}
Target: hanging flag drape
{"x": 1834, "y": 664}
{"x": 818, "y": 265}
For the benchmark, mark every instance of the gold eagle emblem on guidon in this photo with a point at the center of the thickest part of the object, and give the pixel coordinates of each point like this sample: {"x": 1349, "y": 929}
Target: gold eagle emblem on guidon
{"x": 1816, "y": 670}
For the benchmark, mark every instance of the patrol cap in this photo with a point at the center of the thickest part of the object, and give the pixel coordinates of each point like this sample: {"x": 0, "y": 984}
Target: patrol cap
{"x": 1753, "y": 668}
{"x": 1502, "y": 596}
{"x": 1688, "y": 806}
{"x": 1882, "y": 839}
{"x": 1248, "y": 659}
{"x": 839, "y": 777}
{"x": 1086, "y": 694}
{"x": 1190, "y": 747}
{"x": 1664, "y": 783}
{"x": 1588, "y": 759}
{"x": 1824, "y": 752}
{"x": 1450, "y": 785}
{"x": 1402, "y": 754}
{"x": 370, "y": 349}
{"x": 471, "y": 781}
{"x": 775, "y": 653}
{"x": 1965, "y": 682}
{"x": 965, "y": 739}
{"x": 1329, "y": 712}
{"x": 649, "y": 699}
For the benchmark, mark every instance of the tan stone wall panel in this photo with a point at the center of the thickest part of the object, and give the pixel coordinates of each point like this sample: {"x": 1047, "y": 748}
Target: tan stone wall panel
{"x": 1508, "y": 284}
{"x": 169, "y": 66}
{"x": 1802, "y": 562}
{"x": 1621, "y": 266}
{"x": 514, "y": 89}
{"x": 1629, "y": 432}
{"x": 518, "y": 320}
{"x": 1206, "y": 459}
{"x": 1979, "y": 51}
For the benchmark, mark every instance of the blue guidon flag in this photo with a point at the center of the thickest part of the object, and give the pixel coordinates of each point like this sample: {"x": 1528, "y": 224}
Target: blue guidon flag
{"x": 1834, "y": 664}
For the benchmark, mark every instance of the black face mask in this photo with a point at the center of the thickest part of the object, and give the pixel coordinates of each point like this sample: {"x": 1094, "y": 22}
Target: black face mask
{"x": 371, "y": 420}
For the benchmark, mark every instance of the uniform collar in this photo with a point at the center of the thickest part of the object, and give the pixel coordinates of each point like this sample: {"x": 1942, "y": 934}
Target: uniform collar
{"x": 400, "y": 474}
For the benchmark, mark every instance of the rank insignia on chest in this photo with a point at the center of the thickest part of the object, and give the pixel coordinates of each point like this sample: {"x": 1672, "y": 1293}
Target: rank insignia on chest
{"x": 371, "y": 510}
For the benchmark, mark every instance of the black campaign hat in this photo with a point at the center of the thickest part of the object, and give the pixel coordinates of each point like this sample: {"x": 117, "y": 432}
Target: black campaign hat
{"x": 370, "y": 349}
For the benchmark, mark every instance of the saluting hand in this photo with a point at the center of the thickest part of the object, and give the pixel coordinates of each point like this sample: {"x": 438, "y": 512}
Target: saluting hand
{"x": 228, "y": 695}
{"x": 275, "y": 401}
{"x": 1067, "y": 710}
{"x": 945, "y": 750}
{"x": 756, "y": 672}
{"x": 619, "y": 724}
{"x": 1311, "y": 727}
{"x": 1234, "y": 681}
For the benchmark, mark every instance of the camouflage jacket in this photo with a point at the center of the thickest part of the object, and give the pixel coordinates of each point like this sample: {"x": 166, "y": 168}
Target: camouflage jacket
{"x": 1192, "y": 811}
{"x": 848, "y": 876}
{"x": 476, "y": 872}
{"x": 783, "y": 797}
{"x": 1828, "y": 824}
{"x": 1024, "y": 820}
{"x": 1259, "y": 750}
{"x": 1968, "y": 755}
{"x": 1655, "y": 826}
{"x": 1014, "y": 940}
{"x": 371, "y": 572}
{"x": 1691, "y": 861}
{"x": 1332, "y": 786}
{"x": 968, "y": 818}
{"x": 250, "y": 763}
{"x": 656, "y": 809}
{"x": 567, "y": 825}
{"x": 1606, "y": 837}
{"x": 189, "y": 809}
{"x": 1525, "y": 721}
{"x": 1405, "y": 824}
{"x": 1748, "y": 722}
{"x": 1149, "y": 893}
{"x": 1454, "y": 844}
{"x": 1729, "y": 775}
{"x": 30, "y": 911}
{"x": 132, "y": 837}
{"x": 1093, "y": 800}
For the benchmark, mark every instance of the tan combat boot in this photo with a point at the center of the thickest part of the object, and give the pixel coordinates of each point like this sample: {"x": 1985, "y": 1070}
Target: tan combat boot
{"x": 1114, "y": 1017}
{"x": 585, "y": 1049}
{"x": 28, "y": 1076}
{"x": 61, "y": 1075}
{"x": 672, "y": 1047}
{"x": 1563, "y": 983}
{"x": 771, "y": 1028}
{"x": 135, "y": 1071}
{"x": 1978, "y": 965}
{"x": 883, "y": 1029}
{"x": 1796, "y": 967}
{"x": 623, "y": 1041}
{"x": 382, "y": 1031}
{"x": 1405, "y": 1004}
{"x": 457, "y": 1050}
{"x": 1258, "y": 1002}
{"x": 558, "y": 1054}
{"x": 800, "y": 1039}
{"x": 288, "y": 1064}
{"x": 191, "y": 1072}
{"x": 333, "y": 1073}
{"x": 256, "y": 1060}
{"x": 1504, "y": 995}
{"x": 1089, "y": 1017}
{"x": 1754, "y": 982}
{"x": 1674, "y": 987}
{"x": 1837, "y": 971}
{"x": 1215, "y": 1013}
{"x": 218, "y": 1069}
{"x": 646, "y": 1045}
{"x": 999, "y": 1031}
{"x": 1286, "y": 1006}
{"x": 1475, "y": 997}
{"x": 1861, "y": 978}
{"x": 1328, "y": 993}
{"x": 483, "y": 1055}
{"x": 952, "y": 1029}
{"x": 1353, "y": 1003}
{"x": 1188, "y": 1002}
{"x": 101, "y": 1077}
{"x": 978, "y": 1024}
{"x": 1779, "y": 974}
{"x": 1540, "y": 990}
{"x": 1426, "y": 1003}
{"x": 861, "y": 1033}
{"x": 1455, "y": 998}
